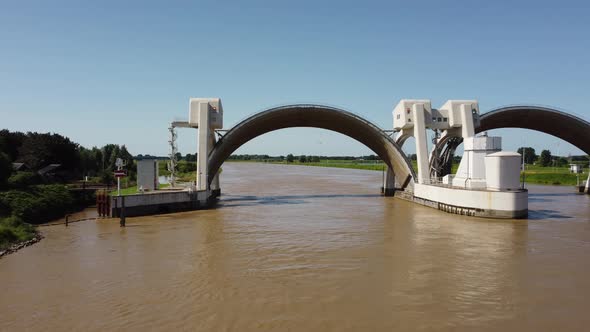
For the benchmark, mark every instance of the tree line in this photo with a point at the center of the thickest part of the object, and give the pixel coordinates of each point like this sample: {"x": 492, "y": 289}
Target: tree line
{"x": 38, "y": 150}
{"x": 546, "y": 159}
{"x": 28, "y": 196}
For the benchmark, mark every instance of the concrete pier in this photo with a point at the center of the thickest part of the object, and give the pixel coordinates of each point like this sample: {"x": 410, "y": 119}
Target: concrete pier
{"x": 477, "y": 203}
{"x": 389, "y": 185}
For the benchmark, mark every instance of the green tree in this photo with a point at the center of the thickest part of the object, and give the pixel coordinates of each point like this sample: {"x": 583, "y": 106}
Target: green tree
{"x": 545, "y": 158}
{"x": 108, "y": 152}
{"x": 302, "y": 158}
{"x": 187, "y": 167}
{"x": 131, "y": 167}
{"x": 529, "y": 155}
{"x": 40, "y": 150}
{"x": 87, "y": 162}
{"x": 97, "y": 159}
{"x": 290, "y": 158}
{"x": 5, "y": 169}
{"x": 115, "y": 153}
{"x": 23, "y": 180}
{"x": 10, "y": 143}
{"x": 562, "y": 162}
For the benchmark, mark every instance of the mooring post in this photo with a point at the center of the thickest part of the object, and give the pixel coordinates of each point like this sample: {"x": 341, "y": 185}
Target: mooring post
{"x": 67, "y": 217}
{"x": 122, "y": 221}
{"x": 98, "y": 202}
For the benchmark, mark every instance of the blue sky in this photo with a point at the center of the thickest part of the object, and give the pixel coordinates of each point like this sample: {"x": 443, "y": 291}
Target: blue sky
{"x": 120, "y": 71}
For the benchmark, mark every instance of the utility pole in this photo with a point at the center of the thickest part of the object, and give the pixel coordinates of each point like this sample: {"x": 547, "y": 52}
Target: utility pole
{"x": 173, "y": 161}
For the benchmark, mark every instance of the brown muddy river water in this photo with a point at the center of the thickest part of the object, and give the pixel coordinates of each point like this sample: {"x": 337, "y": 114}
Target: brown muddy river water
{"x": 295, "y": 248}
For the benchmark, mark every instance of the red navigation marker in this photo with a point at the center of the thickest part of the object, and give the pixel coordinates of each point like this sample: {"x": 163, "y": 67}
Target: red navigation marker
{"x": 120, "y": 173}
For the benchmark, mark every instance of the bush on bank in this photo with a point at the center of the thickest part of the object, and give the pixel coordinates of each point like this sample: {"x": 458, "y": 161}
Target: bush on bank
{"x": 37, "y": 204}
{"x": 20, "y": 209}
{"x": 21, "y": 180}
{"x": 12, "y": 229}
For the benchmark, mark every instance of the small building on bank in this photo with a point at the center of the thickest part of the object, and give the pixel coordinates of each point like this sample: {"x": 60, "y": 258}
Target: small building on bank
{"x": 20, "y": 167}
{"x": 49, "y": 170}
{"x": 576, "y": 168}
{"x": 147, "y": 174}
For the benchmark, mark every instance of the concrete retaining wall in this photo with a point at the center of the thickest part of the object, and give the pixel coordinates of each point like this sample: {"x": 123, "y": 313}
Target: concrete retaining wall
{"x": 160, "y": 203}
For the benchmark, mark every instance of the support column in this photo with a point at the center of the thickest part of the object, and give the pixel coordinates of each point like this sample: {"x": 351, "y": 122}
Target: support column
{"x": 467, "y": 128}
{"x": 421, "y": 144}
{"x": 389, "y": 189}
{"x": 203, "y": 145}
{"x": 215, "y": 189}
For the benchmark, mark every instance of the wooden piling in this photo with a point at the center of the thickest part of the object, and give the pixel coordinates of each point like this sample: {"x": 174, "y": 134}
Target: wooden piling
{"x": 103, "y": 203}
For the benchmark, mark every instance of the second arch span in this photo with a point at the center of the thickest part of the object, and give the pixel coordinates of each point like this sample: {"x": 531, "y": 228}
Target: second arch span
{"x": 568, "y": 127}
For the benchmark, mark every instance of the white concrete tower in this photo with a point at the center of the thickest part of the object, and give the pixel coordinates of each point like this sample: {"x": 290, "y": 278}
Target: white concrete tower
{"x": 463, "y": 117}
{"x": 206, "y": 114}
{"x": 409, "y": 117}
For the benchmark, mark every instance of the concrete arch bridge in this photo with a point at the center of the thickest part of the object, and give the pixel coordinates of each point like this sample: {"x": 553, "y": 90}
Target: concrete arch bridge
{"x": 314, "y": 116}
{"x": 494, "y": 195}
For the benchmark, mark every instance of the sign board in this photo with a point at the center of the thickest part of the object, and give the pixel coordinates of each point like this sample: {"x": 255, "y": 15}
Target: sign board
{"x": 120, "y": 173}
{"x": 119, "y": 163}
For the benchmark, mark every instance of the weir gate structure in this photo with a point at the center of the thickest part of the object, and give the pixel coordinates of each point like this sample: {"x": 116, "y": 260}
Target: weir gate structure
{"x": 487, "y": 183}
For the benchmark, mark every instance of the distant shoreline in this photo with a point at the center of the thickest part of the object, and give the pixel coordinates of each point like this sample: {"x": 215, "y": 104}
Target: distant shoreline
{"x": 536, "y": 175}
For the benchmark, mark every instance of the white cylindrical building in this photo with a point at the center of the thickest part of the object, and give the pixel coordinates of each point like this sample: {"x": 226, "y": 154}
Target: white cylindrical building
{"x": 503, "y": 170}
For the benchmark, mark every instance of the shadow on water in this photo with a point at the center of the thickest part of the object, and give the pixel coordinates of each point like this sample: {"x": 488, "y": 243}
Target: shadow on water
{"x": 546, "y": 214}
{"x": 548, "y": 197}
{"x": 553, "y": 194}
{"x": 251, "y": 200}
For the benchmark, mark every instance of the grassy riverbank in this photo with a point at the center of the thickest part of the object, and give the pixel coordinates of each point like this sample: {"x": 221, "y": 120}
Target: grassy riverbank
{"x": 552, "y": 175}
{"x": 13, "y": 230}
{"x": 185, "y": 170}
{"x": 132, "y": 190}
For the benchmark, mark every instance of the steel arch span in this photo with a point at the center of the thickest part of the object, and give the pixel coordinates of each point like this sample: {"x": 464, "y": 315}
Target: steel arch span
{"x": 314, "y": 116}
{"x": 568, "y": 127}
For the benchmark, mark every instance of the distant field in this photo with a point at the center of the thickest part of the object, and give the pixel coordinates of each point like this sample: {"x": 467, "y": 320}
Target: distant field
{"x": 534, "y": 174}
{"x": 186, "y": 171}
{"x": 354, "y": 164}
{"x": 552, "y": 175}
